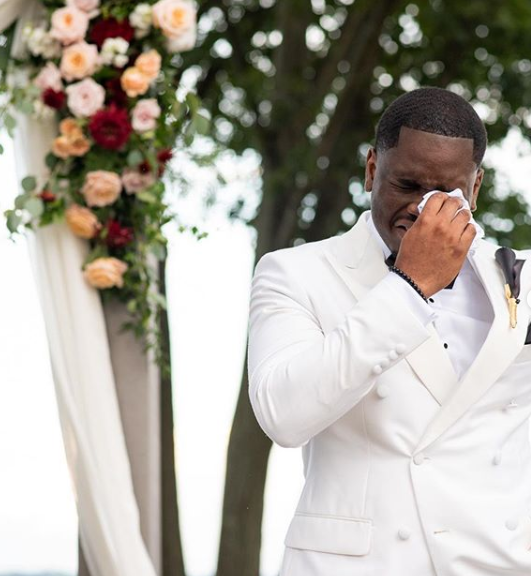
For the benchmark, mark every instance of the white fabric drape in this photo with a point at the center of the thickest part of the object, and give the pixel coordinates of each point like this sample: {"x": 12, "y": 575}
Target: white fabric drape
{"x": 84, "y": 383}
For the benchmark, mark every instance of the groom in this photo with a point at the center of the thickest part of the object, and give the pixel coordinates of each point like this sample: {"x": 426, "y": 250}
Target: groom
{"x": 389, "y": 356}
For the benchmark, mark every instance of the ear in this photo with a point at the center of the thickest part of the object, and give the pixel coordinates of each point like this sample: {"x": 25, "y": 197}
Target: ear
{"x": 370, "y": 169}
{"x": 477, "y": 186}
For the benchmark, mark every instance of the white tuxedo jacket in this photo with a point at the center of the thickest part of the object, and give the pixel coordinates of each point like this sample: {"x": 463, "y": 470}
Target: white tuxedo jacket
{"x": 409, "y": 472}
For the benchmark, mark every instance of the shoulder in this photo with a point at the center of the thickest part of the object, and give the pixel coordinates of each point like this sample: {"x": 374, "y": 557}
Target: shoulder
{"x": 296, "y": 258}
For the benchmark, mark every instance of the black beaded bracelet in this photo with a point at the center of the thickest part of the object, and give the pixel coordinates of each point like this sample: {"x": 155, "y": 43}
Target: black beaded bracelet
{"x": 410, "y": 281}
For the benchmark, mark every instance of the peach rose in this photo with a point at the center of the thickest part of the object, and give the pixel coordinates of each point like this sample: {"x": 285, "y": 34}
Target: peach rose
{"x": 134, "y": 82}
{"x": 105, "y": 272}
{"x": 101, "y": 187}
{"x": 69, "y": 25}
{"x": 149, "y": 64}
{"x": 82, "y": 221}
{"x": 71, "y": 141}
{"x": 174, "y": 17}
{"x": 79, "y": 61}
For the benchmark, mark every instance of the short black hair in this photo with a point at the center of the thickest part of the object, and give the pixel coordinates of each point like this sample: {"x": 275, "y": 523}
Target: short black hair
{"x": 433, "y": 110}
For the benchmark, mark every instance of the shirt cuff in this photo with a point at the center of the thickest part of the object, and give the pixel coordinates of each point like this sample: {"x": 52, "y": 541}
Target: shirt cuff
{"x": 408, "y": 296}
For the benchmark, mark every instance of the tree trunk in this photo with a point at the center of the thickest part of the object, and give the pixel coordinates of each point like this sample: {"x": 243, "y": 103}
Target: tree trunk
{"x": 249, "y": 447}
{"x": 172, "y": 555}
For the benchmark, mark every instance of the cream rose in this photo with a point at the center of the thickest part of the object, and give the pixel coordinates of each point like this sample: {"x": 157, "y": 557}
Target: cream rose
{"x": 174, "y": 17}
{"x": 186, "y": 41}
{"x": 79, "y": 61}
{"x": 105, "y": 273}
{"x": 135, "y": 181}
{"x": 89, "y": 6}
{"x": 149, "y": 64}
{"x": 134, "y": 83}
{"x": 49, "y": 77}
{"x": 85, "y": 97}
{"x": 69, "y": 25}
{"x": 101, "y": 187}
{"x": 82, "y": 221}
{"x": 144, "y": 115}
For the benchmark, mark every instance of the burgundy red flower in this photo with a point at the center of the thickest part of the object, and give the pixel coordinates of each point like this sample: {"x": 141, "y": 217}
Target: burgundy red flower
{"x": 54, "y": 98}
{"x": 118, "y": 236}
{"x": 110, "y": 127}
{"x": 111, "y": 28}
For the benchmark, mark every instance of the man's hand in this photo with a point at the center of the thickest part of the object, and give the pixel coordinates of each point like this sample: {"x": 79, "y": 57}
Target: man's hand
{"x": 433, "y": 250}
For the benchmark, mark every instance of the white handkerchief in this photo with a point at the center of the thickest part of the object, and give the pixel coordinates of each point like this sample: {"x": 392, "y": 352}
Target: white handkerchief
{"x": 457, "y": 193}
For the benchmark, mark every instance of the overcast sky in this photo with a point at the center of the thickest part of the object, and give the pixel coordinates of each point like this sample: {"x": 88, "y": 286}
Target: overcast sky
{"x": 208, "y": 284}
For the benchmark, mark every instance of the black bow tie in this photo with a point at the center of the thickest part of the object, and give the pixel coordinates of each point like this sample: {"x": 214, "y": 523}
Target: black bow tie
{"x": 391, "y": 259}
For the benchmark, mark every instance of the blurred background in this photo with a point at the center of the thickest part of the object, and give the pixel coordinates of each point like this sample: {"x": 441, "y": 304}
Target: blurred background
{"x": 294, "y": 90}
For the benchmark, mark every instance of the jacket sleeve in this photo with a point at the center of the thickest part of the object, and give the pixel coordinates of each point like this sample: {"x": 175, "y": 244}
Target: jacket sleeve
{"x": 301, "y": 379}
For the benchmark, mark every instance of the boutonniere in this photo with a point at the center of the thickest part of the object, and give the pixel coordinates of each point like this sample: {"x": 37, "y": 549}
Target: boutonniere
{"x": 511, "y": 268}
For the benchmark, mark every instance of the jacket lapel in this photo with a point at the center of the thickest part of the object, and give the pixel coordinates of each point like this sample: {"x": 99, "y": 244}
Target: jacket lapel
{"x": 501, "y": 346}
{"x": 358, "y": 260}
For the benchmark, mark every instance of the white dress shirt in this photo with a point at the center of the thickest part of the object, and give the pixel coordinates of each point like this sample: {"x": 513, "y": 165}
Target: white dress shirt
{"x": 462, "y": 316}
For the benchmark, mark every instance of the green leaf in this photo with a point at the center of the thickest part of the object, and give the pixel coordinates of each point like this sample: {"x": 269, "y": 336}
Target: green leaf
{"x": 134, "y": 158}
{"x": 26, "y": 107}
{"x": 35, "y": 206}
{"x": 29, "y": 183}
{"x": 193, "y": 102}
{"x": 21, "y": 200}
{"x": 51, "y": 160}
{"x": 9, "y": 122}
{"x": 159, "y": 251}
{"x": 146, "y": 197}
{"x": 201, "y": 124}
{"x": 1, "y": 149}
{"x": 13, "y": 221}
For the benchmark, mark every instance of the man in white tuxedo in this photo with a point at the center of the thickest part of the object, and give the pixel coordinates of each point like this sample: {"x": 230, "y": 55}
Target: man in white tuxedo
{"x": 398, "y": 356}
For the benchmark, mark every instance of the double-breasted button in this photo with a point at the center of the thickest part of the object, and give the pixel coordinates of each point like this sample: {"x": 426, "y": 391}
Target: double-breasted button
{"x": 393, "y": 355}
{"x": 496, "y": 460}
{"x": 511, "y": 524}
{"x": 404, "y": 533}
{"x": 383, "y": 390}
{"x": 512, "y": 404}
{"x": 384, "y": 363}
{"x": 400, "y": 348}
{"x": 419, "y": 458}
{"x": 377, "y": 369}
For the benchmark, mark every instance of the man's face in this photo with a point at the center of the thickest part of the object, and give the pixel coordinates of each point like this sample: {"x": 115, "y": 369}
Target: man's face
{"x": 420, "y": 163}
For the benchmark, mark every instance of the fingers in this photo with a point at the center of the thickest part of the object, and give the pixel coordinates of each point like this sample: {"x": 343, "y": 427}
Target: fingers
{"x": 434, "y": 204}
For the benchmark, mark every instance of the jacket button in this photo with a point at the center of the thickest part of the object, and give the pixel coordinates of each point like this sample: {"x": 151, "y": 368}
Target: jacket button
{"x": 384, "y": 363}
{"x": 400, "y": 348}
{"x": 377, "y": 369}
{"x": 382, "y": 390}
{"x": 497, "y": 457}
{"x": 419, "y": 458}
{"x": 404, "y": 533}
{"x": 512, "y": 404}
{"x": 393, "y": 355}
{"x": 511, "y": 524}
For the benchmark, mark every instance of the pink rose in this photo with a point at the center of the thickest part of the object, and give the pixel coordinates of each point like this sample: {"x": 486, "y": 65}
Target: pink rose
{"x": 49, "y": 77}
{"x": 69, "y": 25}
{"x": 101, "y": 188}
{"x": 89, "y": 6}
{"x": 79, "y": 60}
{"x": 85, "y": 97}
{"x": 145, "y": 114}
{"x": 174, "y": 17}
{"x": 135, "y": 181}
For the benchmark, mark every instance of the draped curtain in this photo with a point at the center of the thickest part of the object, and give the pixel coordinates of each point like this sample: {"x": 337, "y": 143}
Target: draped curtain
{"x": 96, "y": 453}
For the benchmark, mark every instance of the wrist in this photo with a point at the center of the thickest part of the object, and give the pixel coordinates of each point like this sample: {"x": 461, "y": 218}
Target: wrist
{"x": 418, "y": 289}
